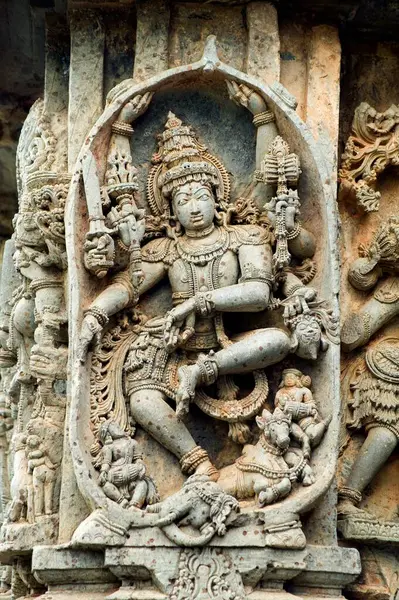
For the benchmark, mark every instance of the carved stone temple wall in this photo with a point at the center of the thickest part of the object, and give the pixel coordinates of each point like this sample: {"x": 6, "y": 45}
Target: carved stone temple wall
{"x": 199, "y": 301}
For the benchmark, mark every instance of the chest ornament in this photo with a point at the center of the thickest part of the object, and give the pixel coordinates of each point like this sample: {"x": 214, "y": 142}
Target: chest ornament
{"x": 203, "y": 255}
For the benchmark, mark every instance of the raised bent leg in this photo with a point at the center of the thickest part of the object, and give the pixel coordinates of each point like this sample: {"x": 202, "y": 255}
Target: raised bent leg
{"x": 249, "y": 352}
{"x": 113, "y": 493}
{"x": 274, "y": 492}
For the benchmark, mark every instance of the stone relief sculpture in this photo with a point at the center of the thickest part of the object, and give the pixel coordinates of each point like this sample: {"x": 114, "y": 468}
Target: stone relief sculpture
{"x": 295, "y": 398}
{"x": 371, "y": 382}
{"x": 122, "y": 471}
{"x": 191, "y": 286}
{"x": 268, "y": 469}
{"x": 34, "y": 338}
{"x": 213, "y": 267}
{"x": 370, "y": 149}
{"x": 151, "y": 368}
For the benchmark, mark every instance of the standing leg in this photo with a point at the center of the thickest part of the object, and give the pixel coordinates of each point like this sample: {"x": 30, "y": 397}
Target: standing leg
{"x": 49, "y": 492}
{"x": 377, "y": 448}
{"x": 150, "y": 409}
{"x": 38, "y": 491}
{"x": 139, "y": 494}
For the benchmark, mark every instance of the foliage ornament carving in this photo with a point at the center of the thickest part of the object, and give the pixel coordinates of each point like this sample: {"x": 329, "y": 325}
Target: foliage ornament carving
{"x": 370, "y": 149}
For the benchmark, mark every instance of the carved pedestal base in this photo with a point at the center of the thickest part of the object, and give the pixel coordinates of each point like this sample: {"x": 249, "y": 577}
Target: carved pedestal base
{"x": 20, "y": 538}
{"x": 152, "y": 572}
{"x": 131, "y": 591}
{"x": 369, "y": 530}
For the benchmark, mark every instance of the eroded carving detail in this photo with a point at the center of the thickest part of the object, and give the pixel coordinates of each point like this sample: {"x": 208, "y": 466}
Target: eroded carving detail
{"x": 122, "y": 470}
{"x": 208, "y": 574}
{"x": 37, "y": 336}
{"x": 268, "y": 469}
{"x": 370, "y": 149}
{"x": 371, "y": 380}
{"x": 218, "y": 258}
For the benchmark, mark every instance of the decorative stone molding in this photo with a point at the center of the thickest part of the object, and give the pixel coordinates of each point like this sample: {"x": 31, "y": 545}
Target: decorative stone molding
{"x": 370, "y": 149}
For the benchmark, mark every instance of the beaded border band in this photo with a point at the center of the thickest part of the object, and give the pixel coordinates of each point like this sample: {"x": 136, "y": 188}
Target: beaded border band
{"x": 291, "y": 235}
{"x": 366, "y": 318}
{"x": 209, "y": 370}
{"x": 389, "y": 426}
{"x": 190, "y": 461}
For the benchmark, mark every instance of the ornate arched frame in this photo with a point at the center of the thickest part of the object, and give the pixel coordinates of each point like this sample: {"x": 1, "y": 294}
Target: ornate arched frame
{"x": 326, "y": 370}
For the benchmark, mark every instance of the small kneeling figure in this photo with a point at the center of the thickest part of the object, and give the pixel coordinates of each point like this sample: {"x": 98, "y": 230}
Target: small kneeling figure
{"x": 123, "y": 472}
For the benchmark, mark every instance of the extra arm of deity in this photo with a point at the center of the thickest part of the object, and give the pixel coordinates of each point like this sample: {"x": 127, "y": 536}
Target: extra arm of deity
{"x": 252, "y": 293}
{"x": 121, "y": 293}
{"x": 361, "y": 325}
{"x": 122, "y": 129}
{"x": 266, "y": 129}
{"x": 294, "y": 288}
{"x": 117, "y": 296}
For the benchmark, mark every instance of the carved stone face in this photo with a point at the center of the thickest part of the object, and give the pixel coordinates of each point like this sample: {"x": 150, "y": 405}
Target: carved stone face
{"x": 194, "y": 206}
{"x": 290, "y": 380}
{"x": 115, "y": 431}
{"x": 279, "y": 434}
{"x": 308, "y": 334}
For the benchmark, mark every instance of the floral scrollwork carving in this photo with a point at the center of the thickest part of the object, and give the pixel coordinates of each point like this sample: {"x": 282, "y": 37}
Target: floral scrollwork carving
{"x": 372, "y": 146}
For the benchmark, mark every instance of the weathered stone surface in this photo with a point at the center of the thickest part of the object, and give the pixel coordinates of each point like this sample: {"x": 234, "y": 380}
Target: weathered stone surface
{"x": 85, "y": 79}
{"x": 155, "y": 444}
{"x": 263, "y": 46}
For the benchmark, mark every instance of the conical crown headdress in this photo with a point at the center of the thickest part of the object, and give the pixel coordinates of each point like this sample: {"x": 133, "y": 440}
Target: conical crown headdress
{"x": 181, "y": 159}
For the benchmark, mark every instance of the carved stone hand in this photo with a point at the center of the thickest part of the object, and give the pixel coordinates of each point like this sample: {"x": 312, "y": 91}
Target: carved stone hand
{"x": 297, "y": 303}
{"x": 242, "y": 95}
{"x": 175, "y": 333}
{"x": 90, "y": 329}
{"x": 135, "y": 108}
{"x": 48, "y": 362}
{"x": 129, "y": 222}
{"x": 102, "y": 480}
{"x": 99, "y": 252}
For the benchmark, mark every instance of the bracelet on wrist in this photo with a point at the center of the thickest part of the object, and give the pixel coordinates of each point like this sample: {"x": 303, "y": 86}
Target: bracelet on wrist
{"x": 122, "y": 128}
{"x": 203, "y": 304}
{"x": 263, "y": 118}
{"x": 99, "y": 314}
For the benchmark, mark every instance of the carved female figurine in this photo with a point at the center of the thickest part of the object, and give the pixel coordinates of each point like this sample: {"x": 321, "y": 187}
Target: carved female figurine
{"x": 213, "y": 267}
{"x": 295, "y": 397}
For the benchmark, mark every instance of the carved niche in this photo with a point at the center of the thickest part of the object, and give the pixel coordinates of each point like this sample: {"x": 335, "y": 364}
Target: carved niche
{"x": 180, "y": 437}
